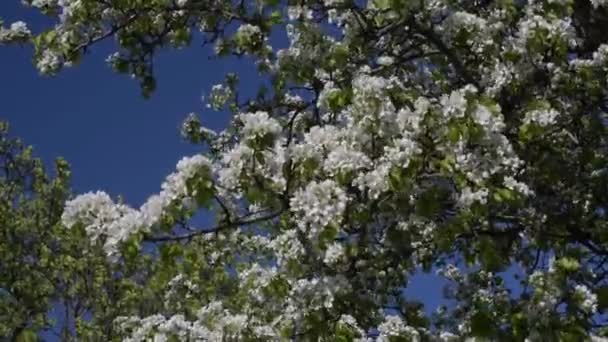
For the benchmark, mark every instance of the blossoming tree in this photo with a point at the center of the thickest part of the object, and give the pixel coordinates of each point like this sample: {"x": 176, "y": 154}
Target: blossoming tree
{"x": 466, "y": 138}
{"x": 44, "y": 265}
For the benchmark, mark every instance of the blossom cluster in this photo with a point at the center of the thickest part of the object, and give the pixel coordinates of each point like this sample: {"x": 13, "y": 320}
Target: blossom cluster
{"x": 116, "y": 222}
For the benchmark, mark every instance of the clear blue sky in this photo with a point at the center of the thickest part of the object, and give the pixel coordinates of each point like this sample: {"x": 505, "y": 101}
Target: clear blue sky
{"x": 114, "y": 139}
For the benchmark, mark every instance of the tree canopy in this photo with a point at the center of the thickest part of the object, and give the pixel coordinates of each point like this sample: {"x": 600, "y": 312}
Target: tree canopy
{"x": 44, "y": 266}
{"x": 392, "y": 138}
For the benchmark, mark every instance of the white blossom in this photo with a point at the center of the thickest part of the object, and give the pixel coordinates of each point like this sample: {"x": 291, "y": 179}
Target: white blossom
{"x": 542, "y": 117}
{"x": 49, "y": 62}
{"x": 454, "y": 104}
{"x": 385, "y": 60}
{"x": 588, "y": 299}
{"x": 334, "y": 253}
{"x": 318, "y": 205}
{"x": 259, "y": 124}
{"x": 468, "y": 197}
{"x": 345, "y": 159}
{"x": 393, "y": 325}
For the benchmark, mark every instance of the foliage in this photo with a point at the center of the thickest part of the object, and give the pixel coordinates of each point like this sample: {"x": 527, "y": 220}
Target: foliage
{"x": 398, "y": 137}
{"x": 52, "y": 278}
{"x": 30, "y": 211}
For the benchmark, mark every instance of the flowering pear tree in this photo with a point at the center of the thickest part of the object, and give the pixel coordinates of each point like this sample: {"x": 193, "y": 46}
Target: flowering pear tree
{"x": 394, "y": 137}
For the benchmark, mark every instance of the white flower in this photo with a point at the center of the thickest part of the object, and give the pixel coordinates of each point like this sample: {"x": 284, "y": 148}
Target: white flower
{"x": 249, "y": 30}
{"x": 455, "y": 104}
{"x": 542, "y": 117}
{"x": 49, "y": 62}
{"x": 44, "y": 3}
{"x": 334, "y": 253}
{"x": 468, "y": 197}
{"x": 401, "y": 152}
{"x": 318, "y": 205}
{"x": 287, "y": 247}
{"x": 451, "y": 272}
{"x": 467, "y": 21}
{"x": 20, "y": 28}
{"x": 410, "y": 120}
{"x": 445, "y": 336}
{"x": 484, "y": 117}
{"x": 374, "y": 181}
{"x": 175, "y": 184}
{"x": 587, "y": 299}
{"x": 102, "y": 218}
{"x": 233, "y": 165}
{"x": 385, "y": 60}
{"x": 219, "y": 95}
{"x": 246, "y": 35}
{"x": 265, "y": 332}
{"x": 395, "y": 326}
{"x": 314, "y": 294}
{"x": 294, "y": 12}
{"x": 345, "y": 159}
{"x": 323, "y": 137}
{"x": 553, "y": 28}
{"x": 259, "y": 124}
{"x": 512, "y": 184}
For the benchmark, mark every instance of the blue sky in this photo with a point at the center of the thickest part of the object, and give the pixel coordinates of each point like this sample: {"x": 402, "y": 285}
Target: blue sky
{"x": 114, "y": 139}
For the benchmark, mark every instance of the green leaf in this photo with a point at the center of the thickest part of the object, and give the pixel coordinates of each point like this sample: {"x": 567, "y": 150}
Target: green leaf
{"x": 328, "y": 235}
{"x": 382, "y": 4}
{"x": 48, "y": 37}
{"x": 27, "y": 335}
{"x": 489, "y": 256}
{"x": 602, "y": 297}
{"x": 337, "y": 100}
{"x": 272, "y": 3}
{"x": 275, "y": 17}
{"x": 454, "y": 133}
{"x": 482, "y": 325}
{"x": 148, "y": 86}
{"x": 568, "y": 264}
{"x": 519, "y": 325}
{"x": 504, "y": 195}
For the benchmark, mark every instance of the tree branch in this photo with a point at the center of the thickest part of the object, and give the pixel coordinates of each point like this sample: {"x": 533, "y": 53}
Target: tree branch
{"x": 215, "y": 229}
{"x": 432, "y": 38}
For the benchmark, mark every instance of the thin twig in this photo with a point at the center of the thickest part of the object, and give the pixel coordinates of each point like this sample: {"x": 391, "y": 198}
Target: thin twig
{"x": 215, "y": 229}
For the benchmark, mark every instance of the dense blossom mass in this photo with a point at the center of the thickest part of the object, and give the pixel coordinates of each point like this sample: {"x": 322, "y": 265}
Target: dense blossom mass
{"x": 393, "y": 137}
